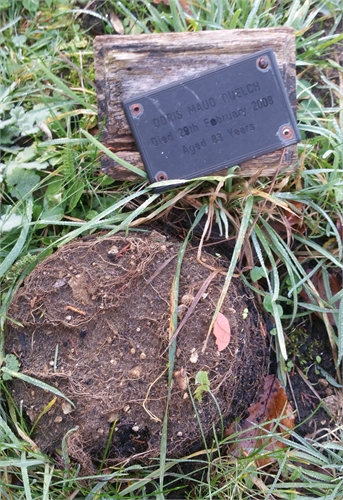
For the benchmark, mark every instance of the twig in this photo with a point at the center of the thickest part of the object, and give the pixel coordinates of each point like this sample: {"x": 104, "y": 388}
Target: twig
{"x": 265, "y": 199}
{"x": 310, "y": 386}
{"x": 294, "y": 399}
{"x": 191, "y": 308}
{"x": 73, "y": 344}
{"x": 151, "y": 415}
{"x": 157, "y": 272}
{"x": 76, "y": 68}
{"x": 123, "y": 250}
{"x": 71, "y": 308}
{"x": 55, "y": 358}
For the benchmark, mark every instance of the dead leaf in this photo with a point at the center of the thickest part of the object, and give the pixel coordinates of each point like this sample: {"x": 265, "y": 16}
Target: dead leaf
{"x": 116, "y": 23}
{"x": 334, "y": 404}
{"x": 295, "y": 219}
{"x": 183, "y": 3}
{"x": 318, "y": 283}
{"x": 272, "y": 405}
{"x": 78, "y": 284}
{"x": 289, "y": 222}
{"x": 222, "y": 331}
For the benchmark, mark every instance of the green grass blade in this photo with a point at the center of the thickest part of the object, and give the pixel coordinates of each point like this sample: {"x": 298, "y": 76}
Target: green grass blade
{"x": 22, "y": 462}
{"x": 16, "y": 250}
{"x": 339, "y": 326}
{"x": 64, "y": 88}
{"x": 114, "y": 157}
{"x": 100, "y": 218}
{"x": 25, "y": 478}
{"x": 320, "y": 249}
{"x": 36, "y": 382}
{"x": 172, "y": 349}
{"x": 48, "y": 472}
{"x": 234, "y": 259}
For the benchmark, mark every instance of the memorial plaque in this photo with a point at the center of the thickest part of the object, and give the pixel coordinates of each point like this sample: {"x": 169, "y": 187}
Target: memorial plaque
{"x": 215, "y": 120}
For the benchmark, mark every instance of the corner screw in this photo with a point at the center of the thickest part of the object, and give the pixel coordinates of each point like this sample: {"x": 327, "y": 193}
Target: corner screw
{"x": 136, "y": 109}
{"x": 263, "y": 62}
{"x": 161, "y": 176}
{"x": 287, "y": 132}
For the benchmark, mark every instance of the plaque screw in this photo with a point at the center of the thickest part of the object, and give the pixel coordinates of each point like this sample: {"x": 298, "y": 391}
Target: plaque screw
{"x": 136, "y": 109}
{"x": 263, "y": 62}
{"x": 287, "y": 132}
{"x": 161, "y": 176}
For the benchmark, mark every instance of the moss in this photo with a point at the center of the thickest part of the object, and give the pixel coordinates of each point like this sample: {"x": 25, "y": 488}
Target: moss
{"x": 303, "y": 349}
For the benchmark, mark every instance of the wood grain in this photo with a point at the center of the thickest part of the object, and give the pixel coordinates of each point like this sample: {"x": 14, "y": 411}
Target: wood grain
{"x": 129, "y": 65}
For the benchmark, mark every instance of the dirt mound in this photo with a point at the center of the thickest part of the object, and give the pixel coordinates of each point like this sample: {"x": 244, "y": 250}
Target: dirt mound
{"x": 96, "y": 319}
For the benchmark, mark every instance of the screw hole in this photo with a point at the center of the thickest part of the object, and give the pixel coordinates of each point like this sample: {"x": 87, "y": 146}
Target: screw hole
{"x": 161, "y": 176}
{"x": 136, "y": 109}
{"x": 287, "y": 132}
{"x": 263, "y": 62}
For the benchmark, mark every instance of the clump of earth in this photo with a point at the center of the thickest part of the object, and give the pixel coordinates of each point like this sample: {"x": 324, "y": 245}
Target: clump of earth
{"x": 96, "y": 319}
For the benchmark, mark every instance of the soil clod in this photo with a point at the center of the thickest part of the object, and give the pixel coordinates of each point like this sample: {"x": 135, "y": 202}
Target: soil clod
{"x": 99, "y": 310}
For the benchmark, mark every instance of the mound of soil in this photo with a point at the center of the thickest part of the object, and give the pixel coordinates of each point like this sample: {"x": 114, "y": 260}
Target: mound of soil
{"x": 96, "y": 321}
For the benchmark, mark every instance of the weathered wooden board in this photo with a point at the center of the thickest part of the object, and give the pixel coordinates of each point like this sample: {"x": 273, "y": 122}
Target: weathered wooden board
{"x": 129, "y": 65}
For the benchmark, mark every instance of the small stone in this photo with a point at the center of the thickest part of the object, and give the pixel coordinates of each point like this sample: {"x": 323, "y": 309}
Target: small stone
{"x": 135, "y": 372}
{"x": 138, "y": 329}
{"x": 135, "y": 428}
{"x": 181, "y": 311}
{"x": 323, "y": 382}
{"x": 142, "y": 355}
{"x": 51, "y": 363}
{"x": 67, "y": 408}
{"x": 185, "y": 395}
{"x": 113, "y": 251}
{"x": 133, "y": 350}
{"x": 127, "y": 408}
{"x": 187, "y": 299}
{"x": 179, "y": 434}
{"x": 181, "y": 379}
{"x": 112, "y": 417}
{"x": 68, "y": 318}
{"x": 194, "y": 357}
{"x": 32, "y": 393}
{"x": 58, "y": 420}
{"x": 100, "y": 431}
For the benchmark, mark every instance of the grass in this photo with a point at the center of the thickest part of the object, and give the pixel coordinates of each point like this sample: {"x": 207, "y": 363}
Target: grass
{"x": 51, "y": 193}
